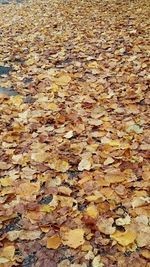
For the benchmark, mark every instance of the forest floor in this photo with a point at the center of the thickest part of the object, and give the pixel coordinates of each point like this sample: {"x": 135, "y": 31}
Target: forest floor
{"x": 75, "y": 138}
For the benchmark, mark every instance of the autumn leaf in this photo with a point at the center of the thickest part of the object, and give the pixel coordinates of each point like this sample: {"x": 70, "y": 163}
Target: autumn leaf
{"x": 7, "y": 254}
{"x": 92, "y": 211}
{"x": 124, "y": 238}
{"x": 29, "y": 235}
{"x": 85, "y": 163}
{"x": 63, "y": 79}
{"x": 73, "y": 238}
{"x": 28, "y": 190}
{"x": 53, "y": 242}
{"x": 106, "y": 226}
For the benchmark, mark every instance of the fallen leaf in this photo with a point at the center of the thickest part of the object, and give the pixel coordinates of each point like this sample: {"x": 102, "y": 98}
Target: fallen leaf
{"x": 124, "y": 238}
{"x": 123, "y": 221}
{"x": 29, "y": 235}
{"x": 28, "y": 190}
{"x": 85, "y": 164}
{"x": 92, "y": 211}
{"x": 97, "y": 262}
{"x": 69, "y": 134}
{"x": 108, "y": 161}
{"x": 106, "y": 226}
{"x": 53, "y": 242}
{"x": 135, "y": 128}
{"x": 63, "y": 79}
{"x": 73, "y": 238}
{"x": 7, "y": 254}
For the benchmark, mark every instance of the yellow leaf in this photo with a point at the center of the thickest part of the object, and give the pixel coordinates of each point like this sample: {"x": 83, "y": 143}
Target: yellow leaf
{"x": 3, "y": 260}
{"x": 92, "y": 211}
{"x": 74, "y": 238}
{"x": 93, "y": 65}
{"x": 85, "y": 164}
{"x": 59, "y": 165}
{"x": 54, "y": 88}
{"x": 52, "y": 106}
{"x": 124, "y": 238}
{"x": 30, "y": 61}
{"x": 97, "y": 195}
{"x": 6, "y": 181}
{"x": 146, "y": 254}
{"x": 16, "y": 100}
{"x": 27, "y": 190}
{"x": 97, "y": 262}
{"x": 114, "y": 143}
{"x": 40, "y": 156}
{"x": 46, "y": 208}
{"x": 66, "y": 201}
{"x": 53, "y": 242}
{"x": 63, "y": 80}
{"x": 8, "y": 252}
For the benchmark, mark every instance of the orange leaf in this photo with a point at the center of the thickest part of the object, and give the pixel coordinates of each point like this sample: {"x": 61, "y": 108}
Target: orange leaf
{"x": 53, "y": 242}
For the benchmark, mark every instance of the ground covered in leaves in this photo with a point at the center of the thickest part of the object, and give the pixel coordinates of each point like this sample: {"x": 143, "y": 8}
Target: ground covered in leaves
{"x": 74, "y": 136}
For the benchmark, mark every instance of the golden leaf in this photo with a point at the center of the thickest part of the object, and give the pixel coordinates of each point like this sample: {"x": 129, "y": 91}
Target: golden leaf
{"x": 7, "y": 253}
{"x": 93, "y": 65}
{"x": 6, "y": 181}
{"x": 16, "y": 100}
{"x": 59, "y": 165}
{"x": 74, "y": 238}
{"x": 46, "y": 208}
{"x": 63, "y": 80}
{"x": 53, "y": 242}
{"x": 40, "y": 156}
{"x": 52, "y": 106}
{"x": 92, "y": 211}
{"x": 124, "y": 238}
{"x": 28, "y": 190}
{"x": 145, "y": 253}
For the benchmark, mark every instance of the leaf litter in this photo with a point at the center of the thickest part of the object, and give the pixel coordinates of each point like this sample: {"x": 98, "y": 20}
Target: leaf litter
{"x": 74, "y": 166}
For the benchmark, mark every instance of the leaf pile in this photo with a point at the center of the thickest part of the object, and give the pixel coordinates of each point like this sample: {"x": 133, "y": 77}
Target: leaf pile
{"x": 75, "y": 140}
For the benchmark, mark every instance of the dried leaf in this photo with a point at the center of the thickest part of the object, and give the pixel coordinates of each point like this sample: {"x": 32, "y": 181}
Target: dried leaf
{"x": 53, "y": 242}
{"x": 28, "y": 190}
{"x": 124, "y": 238}
{"x": 92, "y": 211}
{"x": 85, "y": 164}
{"x": 74, "y": 238}
{"x": 63, "y": 80}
